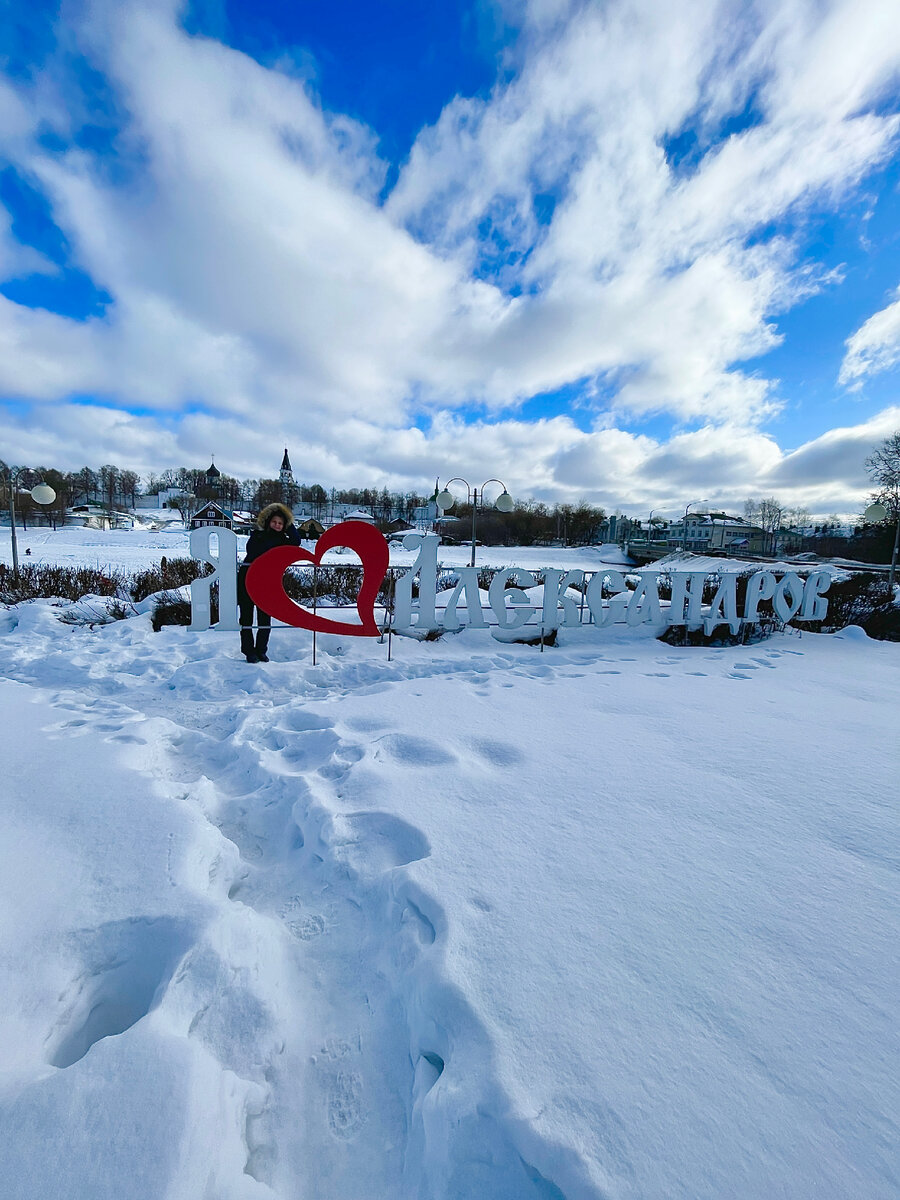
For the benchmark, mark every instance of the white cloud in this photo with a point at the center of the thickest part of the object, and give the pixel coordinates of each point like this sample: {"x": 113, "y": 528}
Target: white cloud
{"x": 551, "y": 460}
{"x": 874, "y": 347}
{"x": 260, "y": 287}
{"x": 587, "y": 118}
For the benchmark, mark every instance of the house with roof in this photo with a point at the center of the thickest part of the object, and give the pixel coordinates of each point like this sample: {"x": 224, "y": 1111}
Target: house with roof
{"x": 212, "y": 513}
{"x": 214, "y": 510}
{"x": 338, "y": 512}
{"x": 308, "y": 527}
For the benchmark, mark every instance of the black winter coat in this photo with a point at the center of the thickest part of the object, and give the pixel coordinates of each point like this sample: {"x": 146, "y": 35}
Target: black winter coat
{"x": 261, "y": 540}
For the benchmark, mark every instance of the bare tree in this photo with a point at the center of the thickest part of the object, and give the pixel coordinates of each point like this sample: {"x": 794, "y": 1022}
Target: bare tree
{"x": 108, "y": 478}
{"x": 62, "y": 485}
{"x": 268, "y": 492}
{"x": 186, "y": 503}
{"x": 129, "y": 481}
{"x": 797, "y": 517}
{"x": 883, "y": 466}
{"x": 87, "y": 483}
{"x": 768, "y": 515}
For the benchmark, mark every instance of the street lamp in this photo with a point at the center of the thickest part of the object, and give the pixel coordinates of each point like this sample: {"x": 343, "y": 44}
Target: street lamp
{"x": 874, "y": 515}
{"x": 504, "y": 502}
{"x": 41, "y": 493}
{"x": 684, "y": 522}
{"x": 650, "y": 526}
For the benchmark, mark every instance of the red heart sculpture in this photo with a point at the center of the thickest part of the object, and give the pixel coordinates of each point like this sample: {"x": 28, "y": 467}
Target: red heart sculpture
{"x": 265, "y": 579}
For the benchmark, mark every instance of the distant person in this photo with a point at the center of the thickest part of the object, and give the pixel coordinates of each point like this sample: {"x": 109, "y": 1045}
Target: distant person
{"x": 275, "y": 527}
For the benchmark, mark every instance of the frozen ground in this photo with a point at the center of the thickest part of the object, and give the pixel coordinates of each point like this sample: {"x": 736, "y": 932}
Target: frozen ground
{"x": 135, "y": 549}
{"x": 615, "y": 920}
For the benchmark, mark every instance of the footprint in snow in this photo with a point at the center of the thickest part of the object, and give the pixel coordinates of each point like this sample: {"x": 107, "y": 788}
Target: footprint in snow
{"x": 345, "y": 1110}
{"x": 125, "y": 968}
{"x": 366, "y": 724}
{"x": 496, "y": 753}
{"x": 300, "y": 720}
{"x": 350, "y": 753}
{"x": 308, "y": 927}
{"x": 379, "y": 841}
{"x": 345, "y": 757}
{"x": 413, "y": 920}
{"x": 308, "y": 750}
{"x": 248, "y": 845}
{"x": 414, "y": 751}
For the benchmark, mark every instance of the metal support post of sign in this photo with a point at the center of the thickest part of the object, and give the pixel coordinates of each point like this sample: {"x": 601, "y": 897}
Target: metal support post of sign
{"x": 315, "y": 595}
{"x": 390, "y": 614}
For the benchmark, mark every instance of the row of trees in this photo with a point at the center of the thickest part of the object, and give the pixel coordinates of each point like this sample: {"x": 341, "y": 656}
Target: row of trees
{"x": 530, "y": 523}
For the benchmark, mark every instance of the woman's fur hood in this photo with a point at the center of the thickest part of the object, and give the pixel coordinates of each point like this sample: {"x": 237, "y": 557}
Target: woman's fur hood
{"x": 271, "y": 510}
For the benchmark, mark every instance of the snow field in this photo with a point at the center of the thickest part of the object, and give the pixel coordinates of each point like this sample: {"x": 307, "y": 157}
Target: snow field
{"x": 137, "y": 549}
{"x": 613, "y": 920}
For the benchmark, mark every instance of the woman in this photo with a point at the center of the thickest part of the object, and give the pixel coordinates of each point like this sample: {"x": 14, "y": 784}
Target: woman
{"x": 275, "y": 527}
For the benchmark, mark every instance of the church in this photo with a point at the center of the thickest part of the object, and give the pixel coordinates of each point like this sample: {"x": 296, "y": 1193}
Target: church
{"x": 286, "y": 476}
{"x": 213, "y": 510}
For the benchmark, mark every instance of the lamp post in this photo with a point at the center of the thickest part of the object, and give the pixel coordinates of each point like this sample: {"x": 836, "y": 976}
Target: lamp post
{"x": 650, "y": 526}
{"x": 504, "y": 502}
{"x": 874, "y": 515}
{"x": 41, "y": 493}
{"x": 687, "y": 508}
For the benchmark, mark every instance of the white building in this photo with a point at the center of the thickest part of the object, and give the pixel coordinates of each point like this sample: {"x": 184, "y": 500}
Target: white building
{"x": 703, "y": 532}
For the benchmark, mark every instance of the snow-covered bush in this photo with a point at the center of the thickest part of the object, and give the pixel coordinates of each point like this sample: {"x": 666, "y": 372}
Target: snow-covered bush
{"x": 174, "y": 608}
{"x": 865, "y": 599}
{"x": 170, "y": 574}
{"x": 46, "y": 581}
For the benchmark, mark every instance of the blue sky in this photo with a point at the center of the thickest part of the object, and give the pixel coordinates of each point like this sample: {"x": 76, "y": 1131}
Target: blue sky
{"x": 604, "y": 251}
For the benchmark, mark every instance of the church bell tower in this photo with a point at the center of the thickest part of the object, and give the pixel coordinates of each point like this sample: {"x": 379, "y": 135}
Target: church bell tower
{"x": 286, "y": 475}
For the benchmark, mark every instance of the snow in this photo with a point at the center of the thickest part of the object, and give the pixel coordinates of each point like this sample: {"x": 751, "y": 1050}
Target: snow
{"x": 687, "y": 560}
{"x": 614, "y": 919}
{"x": 137, "y": 549}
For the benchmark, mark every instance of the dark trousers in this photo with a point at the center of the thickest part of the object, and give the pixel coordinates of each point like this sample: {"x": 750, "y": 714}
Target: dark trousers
{"x": 263, "y": 620}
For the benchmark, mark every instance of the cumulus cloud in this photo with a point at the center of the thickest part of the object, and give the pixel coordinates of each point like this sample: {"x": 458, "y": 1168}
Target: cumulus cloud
{"x": 874, "y": 347}
{"x": 649, "y": 261}
{"x": 604, "y": 216}
{"x": 551, "y": 460}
